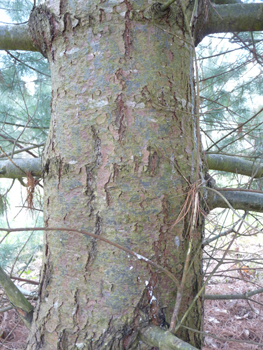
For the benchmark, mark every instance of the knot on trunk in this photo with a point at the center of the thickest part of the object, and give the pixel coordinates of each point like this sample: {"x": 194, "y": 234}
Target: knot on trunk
{"x": 44, "y": 27}
{"x": 156, "y": 12}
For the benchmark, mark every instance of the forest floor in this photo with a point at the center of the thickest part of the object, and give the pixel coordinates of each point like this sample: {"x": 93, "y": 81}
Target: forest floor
{"x": 236, "y": 320}
{"x": 233, "y": 324}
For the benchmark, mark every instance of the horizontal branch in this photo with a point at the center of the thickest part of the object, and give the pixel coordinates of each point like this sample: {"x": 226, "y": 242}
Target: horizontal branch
{"x": 246, "y": 295}
{"x": 243, "y": 200}
{"x": 221, "y": 2}
{"x": 156, "y": 337}
{"x": 234, "y": 165}
{"x": 239, "y": 17}
{"x": 215, "y": 162}
{"x": 16, "y": 37}
{"x": 24, "y": 165}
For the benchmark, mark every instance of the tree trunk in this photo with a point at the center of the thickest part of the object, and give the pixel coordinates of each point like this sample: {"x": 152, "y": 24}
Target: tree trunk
{"x": 119, "y": 162}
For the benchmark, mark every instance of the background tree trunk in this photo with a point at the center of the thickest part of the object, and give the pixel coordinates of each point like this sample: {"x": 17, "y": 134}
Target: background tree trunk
{"x": 119, "y": 160}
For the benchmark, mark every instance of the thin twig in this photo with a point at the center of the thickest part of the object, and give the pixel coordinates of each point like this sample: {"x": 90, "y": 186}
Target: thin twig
{"x": 137, "y": 256}
{"x": 207, "y": 280}
{"x": 179, "y": 294}
{"x": 246, "y": 295}
{"x": 235, "y": 129}
{"x": 17, "y": 59}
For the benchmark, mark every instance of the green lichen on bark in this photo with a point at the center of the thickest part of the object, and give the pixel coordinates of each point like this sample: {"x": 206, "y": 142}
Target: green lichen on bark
{"x": 121, "y": 137}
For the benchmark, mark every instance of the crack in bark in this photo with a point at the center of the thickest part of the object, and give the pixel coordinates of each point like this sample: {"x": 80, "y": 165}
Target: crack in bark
{"x": 59, "y": 172}
{"x": 102, "y": 15}
{"x": 153, "y": 162}
{"x": 127, "y": 35}
{"x": 120, "y": 117}
{"x": 97, "y": 145}
{"x": 108, "y": 198}
{"x": 165, "y": 205}
{"x": 91, "y": 170}
{"x": 120, "y": 78}
{"x": 136, "y": 165}
{"x": 116, "y": 171}
{"x": 93, "y": 250}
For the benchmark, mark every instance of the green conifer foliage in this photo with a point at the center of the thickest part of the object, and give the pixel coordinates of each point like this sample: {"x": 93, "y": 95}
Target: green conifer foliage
{"x": 230, "y": 82}
{"x": 24, "y": 91}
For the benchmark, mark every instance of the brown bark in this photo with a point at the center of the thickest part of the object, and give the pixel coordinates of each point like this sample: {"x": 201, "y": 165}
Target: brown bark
{"x": 120, "y": 160}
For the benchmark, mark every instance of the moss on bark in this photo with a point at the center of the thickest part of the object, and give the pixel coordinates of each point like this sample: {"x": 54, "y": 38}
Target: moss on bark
{"x": 119, "y": 161}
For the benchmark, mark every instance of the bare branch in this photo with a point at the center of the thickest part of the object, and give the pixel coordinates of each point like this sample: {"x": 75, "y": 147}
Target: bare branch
{"x": 238, "y": 17}
{"x": 234, "y": 165}
{"x": 238, "y": 199}
{"x": 222, "y": 2}
{"x": 9, "y": 170}
{"x": 16, "y": 37}
{"x": 155, "y": 336}
{"x": 246, "y": 295}
{"x": 103, "y": 239}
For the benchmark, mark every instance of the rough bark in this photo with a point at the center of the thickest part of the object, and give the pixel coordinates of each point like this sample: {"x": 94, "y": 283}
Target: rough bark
{"x": 238, "y": 199}
{"x": 220, "y": 16}
{"x": 214, "y": 161}
{"x": 119, "y": 161}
